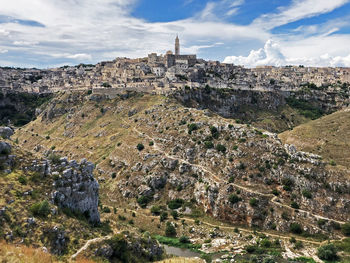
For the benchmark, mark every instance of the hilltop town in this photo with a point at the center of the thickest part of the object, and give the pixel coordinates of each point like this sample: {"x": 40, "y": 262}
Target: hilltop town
{"x": 162, "y": 74}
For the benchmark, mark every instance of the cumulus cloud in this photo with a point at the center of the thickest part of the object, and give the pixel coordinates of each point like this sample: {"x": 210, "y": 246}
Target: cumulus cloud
{"x": 299, "y": 9}
{"x": 75, "y": 31}
{"x": 3, "y": 51}
{"x": 272, "y": 55}
{"x": 269, "y": 55}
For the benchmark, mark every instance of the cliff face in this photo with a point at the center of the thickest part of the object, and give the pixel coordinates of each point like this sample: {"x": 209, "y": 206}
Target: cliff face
{"x": 274, "y": 110}
{"x": 19, "y": 108}
{"x": 77, "y": 188}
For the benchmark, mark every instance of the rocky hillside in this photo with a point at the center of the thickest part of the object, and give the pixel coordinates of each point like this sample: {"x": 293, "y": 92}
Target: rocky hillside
{"x": 51, "y": 203}
{"x": 327, "y": 136}
{"x": 152, "y": 152}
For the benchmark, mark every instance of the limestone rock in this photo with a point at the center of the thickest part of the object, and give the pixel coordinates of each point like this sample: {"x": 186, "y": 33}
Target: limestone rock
{"x": 6, "y": 132}
{"x": 77, "y": 189}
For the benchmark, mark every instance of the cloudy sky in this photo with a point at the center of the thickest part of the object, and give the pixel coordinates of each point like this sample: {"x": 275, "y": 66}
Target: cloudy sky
{"x": 50, "y": 33}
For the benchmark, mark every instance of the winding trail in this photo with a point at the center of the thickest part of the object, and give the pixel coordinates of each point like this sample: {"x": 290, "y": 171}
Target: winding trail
{"x": 87, "y": 245}
{"x": 219, "y": 180}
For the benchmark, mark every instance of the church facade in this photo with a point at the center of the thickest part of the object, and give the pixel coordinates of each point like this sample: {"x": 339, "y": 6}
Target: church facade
{"x": 171, "y": 59}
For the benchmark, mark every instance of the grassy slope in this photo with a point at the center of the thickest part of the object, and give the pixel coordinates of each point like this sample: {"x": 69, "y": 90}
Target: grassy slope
{"x": 327, "y": 136}
{"x": 97, "y": 136}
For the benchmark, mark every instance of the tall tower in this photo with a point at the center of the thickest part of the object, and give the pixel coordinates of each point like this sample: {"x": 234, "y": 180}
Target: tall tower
{"x": 177, "y": 46}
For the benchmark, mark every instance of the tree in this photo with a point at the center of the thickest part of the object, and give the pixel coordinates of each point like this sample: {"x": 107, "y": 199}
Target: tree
{"x": 221, "y": 148}
{"x": 163, "y": 216}
{"x": 346, "y": 229}
{"x": 155, "y": 210}
{"x": 253, "y": 202}
{"x": 296, "y": 228}
{"x": 41, "y": 209}
{"x": 140, "y": 147}
{"x": 327, "y": 252}
{"x": 184, "y": 240}
{"x": 233, "y": 198}
{"x": 170, "y": 230}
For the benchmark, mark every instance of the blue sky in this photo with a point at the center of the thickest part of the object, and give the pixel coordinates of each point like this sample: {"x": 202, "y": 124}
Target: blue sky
{"x": 50, "y": 33}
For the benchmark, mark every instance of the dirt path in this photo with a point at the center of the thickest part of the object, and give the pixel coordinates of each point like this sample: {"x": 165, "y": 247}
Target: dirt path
{"x": 87, "y": 244}
{"x": 219, "y": 180}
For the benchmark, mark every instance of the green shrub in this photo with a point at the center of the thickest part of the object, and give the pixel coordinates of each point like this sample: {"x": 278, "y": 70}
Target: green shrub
{"x": 294, "y": 205}
{"x": 140, "y": 147}
{"x": 119, "y": 246}
{"x": 345, "y": 228}
{"x": 106, "y": 210}
{"x": 176, "y": 203}
{"x": 143, "y": 201}
{"x": 296, "y": 228}
{"x": 22, "y": 180}
{"x": 333, "y": 163}
{"x": 253, "y": 202}
{"x": 221, "y": 148}
{"x": 214, "y": 132}
{"x": 265, "y": 243}
{"x": 298, "y": 245}
{"x": 170, "y": 230}
{"x": 163, "y": 216}
{"x": 327, "y": 252}
{"x": 54, "y": 158}
{"x": 175, "y": 214}
{"x": 208, "y": 144}
{"x": 155, "y": 210}
{"x": 184, "y": 239}
{"x": 306, "y": 193}
{"x": 151, "y": 143}
{"x": 192, "y": 127}
{"x": 233, "y": 198}
{"x": 41, "y": 209}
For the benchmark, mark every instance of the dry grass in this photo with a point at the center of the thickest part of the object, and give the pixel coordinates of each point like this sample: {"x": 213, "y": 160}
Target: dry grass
{"x": 10, "y": 253}
{"x": 327, "y": 136}
{"x": 182, "y": 260}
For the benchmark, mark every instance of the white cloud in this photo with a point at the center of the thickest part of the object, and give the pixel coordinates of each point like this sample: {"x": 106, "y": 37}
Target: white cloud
{"x": 272, "y": 55}
{"x": 80, "y": 56}
{"x": 90, "y": 30}
{"x": 3, "y": 51}
{"x": 269, "y": 55}
{"x": 24, "y": 43}
{"x": 299, "y": 9}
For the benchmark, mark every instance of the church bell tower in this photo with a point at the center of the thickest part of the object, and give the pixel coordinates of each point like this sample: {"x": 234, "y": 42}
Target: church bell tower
{"x": 177, "y": 46}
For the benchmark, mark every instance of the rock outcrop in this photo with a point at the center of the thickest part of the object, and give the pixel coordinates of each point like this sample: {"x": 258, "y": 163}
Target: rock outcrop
{"x": 5, "y": 148}
{"x": 6, "y": 132}
{"x": 77, "y": 189}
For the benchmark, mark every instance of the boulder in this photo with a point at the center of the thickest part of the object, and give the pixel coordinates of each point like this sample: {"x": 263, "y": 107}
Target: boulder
{"x": 6, "y": 132}
{"x": 5, "y": 148}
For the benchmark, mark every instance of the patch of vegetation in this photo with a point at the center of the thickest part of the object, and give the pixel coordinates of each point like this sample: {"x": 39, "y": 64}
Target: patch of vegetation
{"x": 296, "y": 228}
{"x": 177, "y": 242}
{"x": 170, "y": 230}
{"x": 233, "y": 198}
{"x": 41, "y": 209}
{"x": 305, "y": 108}
{"x": 221, "y": 148}
{"x": 192, "y": 127}
{"x": 327, "y": 252}
{"x": 143, "y": 201}
{"x": 345, "y": 228}
{"x": 140, "y": 147}
{"x": 176, "y": 203}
